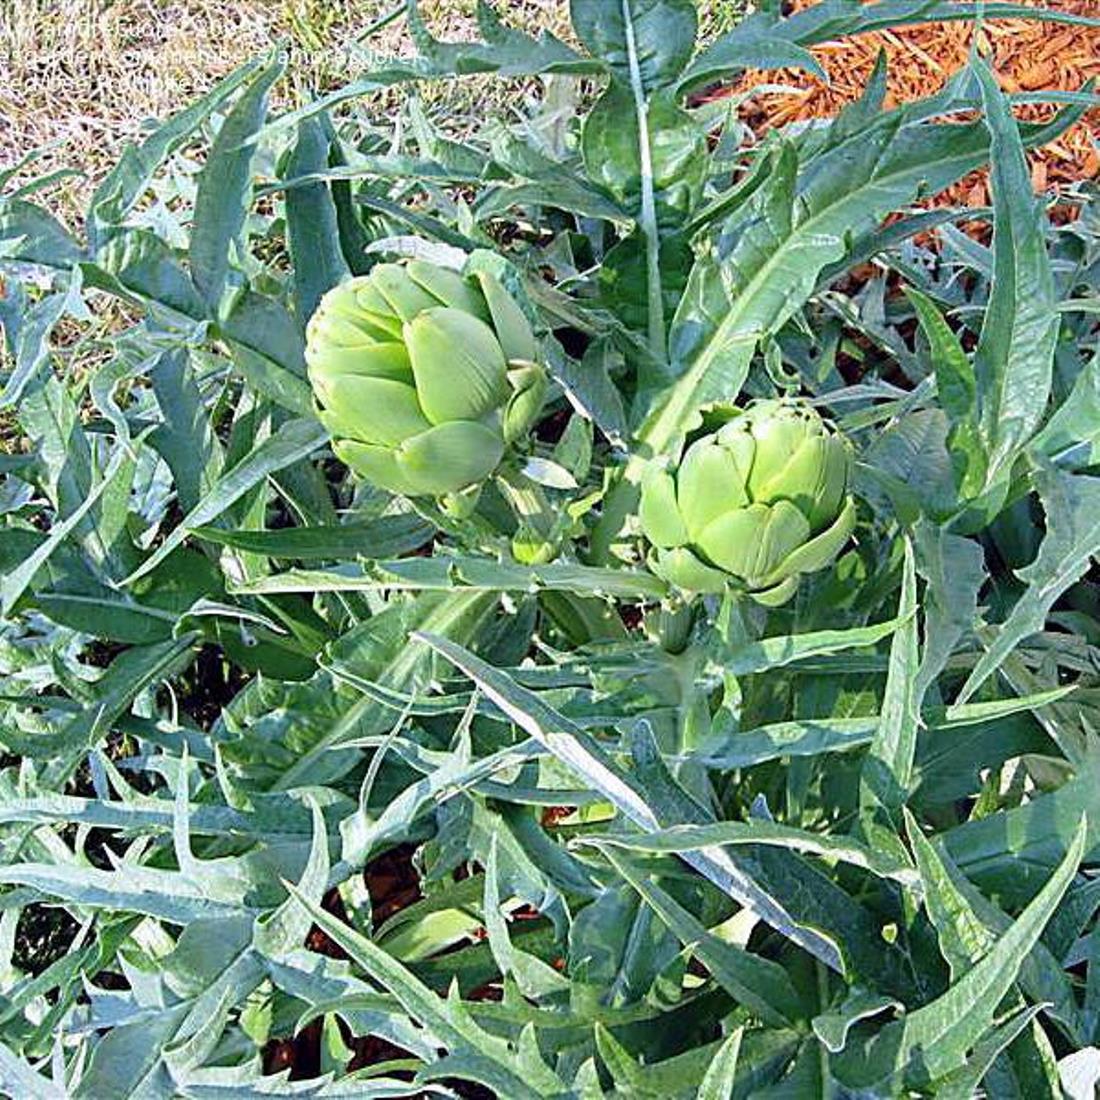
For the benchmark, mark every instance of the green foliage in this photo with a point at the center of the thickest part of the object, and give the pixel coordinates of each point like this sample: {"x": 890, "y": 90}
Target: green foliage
{"x": 290, "y": 753}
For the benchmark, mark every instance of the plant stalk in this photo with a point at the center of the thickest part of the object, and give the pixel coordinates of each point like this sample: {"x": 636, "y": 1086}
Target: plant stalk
{"x": 655, "y": 301}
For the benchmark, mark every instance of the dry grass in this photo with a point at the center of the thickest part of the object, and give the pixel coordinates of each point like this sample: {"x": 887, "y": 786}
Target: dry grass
{"x": 86, "y": 76}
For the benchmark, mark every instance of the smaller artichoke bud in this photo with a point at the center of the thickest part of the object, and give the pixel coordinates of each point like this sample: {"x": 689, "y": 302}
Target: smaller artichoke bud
{"x": 422, "y": 376}
{"x": 531, "y": 548}
{"x": 529, "y": 386}
{"x": 461, "y": 504}
{"x": 755, "y": 504}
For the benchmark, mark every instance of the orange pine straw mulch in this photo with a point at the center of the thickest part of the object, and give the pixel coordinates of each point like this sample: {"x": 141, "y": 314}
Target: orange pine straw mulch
{"x": 1027, "y": 55}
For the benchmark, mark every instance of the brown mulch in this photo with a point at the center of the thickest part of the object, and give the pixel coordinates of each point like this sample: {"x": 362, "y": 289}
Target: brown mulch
{"x": 393, "y": 884}
{"x": 1027, "y": 55}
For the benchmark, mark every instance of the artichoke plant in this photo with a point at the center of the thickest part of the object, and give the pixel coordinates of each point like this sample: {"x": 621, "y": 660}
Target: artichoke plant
{"x": 422, "y": 376}
{"x": 754, "y": 504}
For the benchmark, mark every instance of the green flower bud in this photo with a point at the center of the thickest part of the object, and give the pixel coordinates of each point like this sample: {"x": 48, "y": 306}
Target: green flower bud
{"x": 422, "y": 376}
{"x": 531, "y": 548}
{"x": 516, "y": 338}
{"x": 755, "y": 504}
{"x": 461, "y": 505}
{"x": 529, "y": 387}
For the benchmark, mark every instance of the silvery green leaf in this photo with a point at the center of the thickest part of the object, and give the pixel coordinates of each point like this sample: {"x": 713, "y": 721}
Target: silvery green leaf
{"x": 1080, "y": 1072}
{"x": 546, "y": 472}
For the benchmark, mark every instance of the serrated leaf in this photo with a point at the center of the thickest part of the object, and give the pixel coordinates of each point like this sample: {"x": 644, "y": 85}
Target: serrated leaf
{"x": 284, "y": 928}
{"x": 650, "y": 38}
{"x": 127, "y": 181}
{"x": 464, "y": 574}
{"x": 887, "y": 774}
{"x": 1010, "y": 854}
{"x": 295, "y": 440}
{"x": 1014, "y": 359}
{"x": 312, "y": 231}
{"x": 17, "y": 1078}
{"x": 379, "y": 650}
{"x": 1071, "y": 437}
{"x": 184, "y": 438}
{"x": 138, "y": 266}
{"x": 1072, "y": 539}
{"x": 759, "y": 984}
{"x": 686, "y": 838}
{"x": 766, "y": 41}
{"x": 32, "y": 235}
{"x": 385, "y": 537}
{"x": 222, "y": 199}
{"x": 962, "y": 1084}
{"x": 583, "y": 755}
{"x": 32, "y": 342}
{"x": 534, "y": 977}
{"x": 954, "y": 571}
{"x": 15, "y": 583}
{"x": 815, "y": 737}
{"x": 474, "y": 1052}
{"x": 963, "y": 938}
{"x": 934, "y": 1040}
{"x": 718, "y": 1081}
{"x": 775, "y": 652}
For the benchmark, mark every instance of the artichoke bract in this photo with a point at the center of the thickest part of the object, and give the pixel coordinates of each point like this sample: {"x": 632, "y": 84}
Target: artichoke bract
{"x": 755, "y": 504}
{"x": 423, "y": 376}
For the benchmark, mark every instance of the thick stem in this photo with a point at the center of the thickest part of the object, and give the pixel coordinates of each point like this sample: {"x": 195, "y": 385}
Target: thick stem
{"x": 648, "y": 215}
{"x": 823, "y": 1001}
{"x": 675, "y": 620}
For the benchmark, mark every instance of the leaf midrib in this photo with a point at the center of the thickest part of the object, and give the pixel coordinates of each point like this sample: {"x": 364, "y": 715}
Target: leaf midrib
{"x": 669, "y": 419}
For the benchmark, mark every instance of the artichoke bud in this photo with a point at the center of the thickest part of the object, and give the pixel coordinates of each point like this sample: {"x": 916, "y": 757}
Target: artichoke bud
{"x": 511, "y": 325}
{"x": 461, "y": 505}
{"x": 531, "y": 548}
{"x": 755, "y": 504}
{"x": 448, "y": 288}
{"x": 529, "y": 387}
{"x": 423, "y": 376}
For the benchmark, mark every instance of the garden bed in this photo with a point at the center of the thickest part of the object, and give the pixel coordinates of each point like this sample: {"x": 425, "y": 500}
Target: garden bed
{"x": 568, "y": 597}
{"x": 1026, "y": 55}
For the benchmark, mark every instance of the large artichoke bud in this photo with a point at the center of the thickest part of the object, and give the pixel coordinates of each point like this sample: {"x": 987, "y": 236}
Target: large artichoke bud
{"x": 757, "y": 503}
{"x": 422, "y": 376}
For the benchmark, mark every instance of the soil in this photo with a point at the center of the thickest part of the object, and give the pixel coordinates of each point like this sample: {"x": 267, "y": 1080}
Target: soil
{"x": 394, "y": 884}
{"x": 45, "y": 933}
